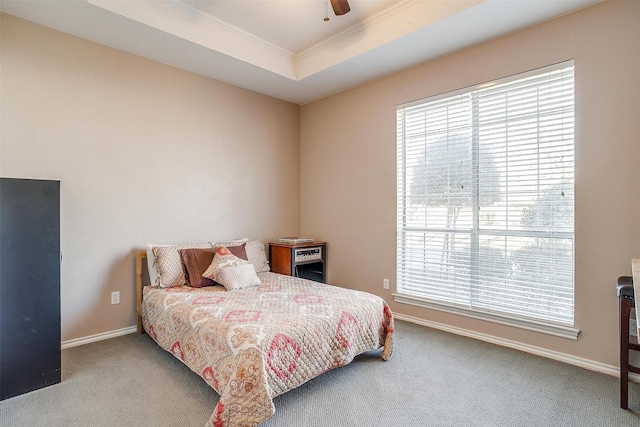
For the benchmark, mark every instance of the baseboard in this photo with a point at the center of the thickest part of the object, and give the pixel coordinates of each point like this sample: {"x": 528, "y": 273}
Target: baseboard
{"x": 98, "y": 337}
{"x": 538, "y": 351}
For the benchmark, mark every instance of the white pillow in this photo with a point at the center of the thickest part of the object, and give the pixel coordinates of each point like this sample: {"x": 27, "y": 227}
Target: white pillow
{"x": 237, "y": 277}
{"x": 151, "y": 265}
{"x": 168, "y": 264}
{"x": 256, "y": 254}
{"x": 236, "y": 242}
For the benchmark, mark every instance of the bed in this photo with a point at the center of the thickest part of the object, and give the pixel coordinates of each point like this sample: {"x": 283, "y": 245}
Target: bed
{"x": 255, "y": 343}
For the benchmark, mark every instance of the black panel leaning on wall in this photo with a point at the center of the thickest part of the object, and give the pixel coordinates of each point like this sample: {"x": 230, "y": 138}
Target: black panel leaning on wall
{"x": 29, "y": 285}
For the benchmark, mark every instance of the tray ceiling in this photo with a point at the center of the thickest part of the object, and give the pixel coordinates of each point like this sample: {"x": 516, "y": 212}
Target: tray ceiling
{"x": 284, "y": 48}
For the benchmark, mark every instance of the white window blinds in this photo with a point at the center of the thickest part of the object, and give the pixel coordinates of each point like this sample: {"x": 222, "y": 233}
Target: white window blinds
{"x": 486, "y": 197}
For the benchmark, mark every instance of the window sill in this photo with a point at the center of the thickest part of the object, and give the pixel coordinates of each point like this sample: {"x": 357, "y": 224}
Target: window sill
{"x": 517, "y": 322}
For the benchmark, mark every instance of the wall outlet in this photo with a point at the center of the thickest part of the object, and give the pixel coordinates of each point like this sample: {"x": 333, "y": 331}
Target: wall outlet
{"x": 115, "y": 297}
{"x": 633, "y": 327}
{"x": 385, "y": 283}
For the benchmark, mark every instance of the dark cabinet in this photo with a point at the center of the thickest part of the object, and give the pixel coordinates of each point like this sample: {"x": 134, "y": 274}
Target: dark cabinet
{"x": 306, "y": 260}
{"x": 29, "y": 285}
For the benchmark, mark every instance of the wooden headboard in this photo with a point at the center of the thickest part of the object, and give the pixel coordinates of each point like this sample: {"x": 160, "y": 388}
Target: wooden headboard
{"x": 141, "y": 256}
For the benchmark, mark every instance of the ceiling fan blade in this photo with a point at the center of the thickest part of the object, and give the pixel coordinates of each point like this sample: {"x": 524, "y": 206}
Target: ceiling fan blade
{"x": 340, "y": 7}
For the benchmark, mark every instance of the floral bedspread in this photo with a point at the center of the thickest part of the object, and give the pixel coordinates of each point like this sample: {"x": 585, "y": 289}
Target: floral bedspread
{"x": 254, "y": 344}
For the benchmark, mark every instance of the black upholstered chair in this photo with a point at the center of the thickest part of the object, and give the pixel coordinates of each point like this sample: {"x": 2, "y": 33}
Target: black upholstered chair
{"x": 627, "y": 302}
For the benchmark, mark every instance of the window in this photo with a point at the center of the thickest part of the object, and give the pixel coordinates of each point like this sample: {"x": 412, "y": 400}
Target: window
{"x": 486, "y": 201}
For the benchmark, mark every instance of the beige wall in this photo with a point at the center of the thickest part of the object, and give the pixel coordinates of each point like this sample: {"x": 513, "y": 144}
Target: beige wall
{"x": 145, "y": 153}
{"x": 148, "y": 153}
{"x": 348, "y": 165}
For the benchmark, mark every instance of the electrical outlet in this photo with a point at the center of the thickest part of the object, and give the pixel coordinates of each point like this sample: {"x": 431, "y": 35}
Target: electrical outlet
{"x": 115, "y": 297}
{"x": 633, "y": 327}
{"x": 385, "y": 283}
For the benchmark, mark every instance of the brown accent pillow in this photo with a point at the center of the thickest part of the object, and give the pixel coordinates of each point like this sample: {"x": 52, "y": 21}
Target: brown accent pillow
{"x": 239, "y": 251}
{"x": 196, "y": 261}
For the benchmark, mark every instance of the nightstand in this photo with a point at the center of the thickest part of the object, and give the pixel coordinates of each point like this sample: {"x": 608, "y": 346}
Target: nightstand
{"x": 306, "y": 260}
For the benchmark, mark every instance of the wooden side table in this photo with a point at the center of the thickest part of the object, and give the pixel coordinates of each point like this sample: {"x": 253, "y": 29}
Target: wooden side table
{"x": 306, "y": 260}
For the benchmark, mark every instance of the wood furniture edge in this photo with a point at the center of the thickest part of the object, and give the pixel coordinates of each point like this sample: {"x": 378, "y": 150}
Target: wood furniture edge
{"x": 280, "y": 256}
{"x": 140, "y": 255}
{"x": 279, "y": 259}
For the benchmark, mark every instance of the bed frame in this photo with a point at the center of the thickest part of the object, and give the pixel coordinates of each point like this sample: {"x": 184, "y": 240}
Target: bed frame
{"x": 141, "y": 257}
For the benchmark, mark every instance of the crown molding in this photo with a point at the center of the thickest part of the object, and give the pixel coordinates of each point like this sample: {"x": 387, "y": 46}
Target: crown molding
{"x": 186, "y": 22}
{"x": 393, "y": 23}
{"x": 372, "y": 20}
{"x": 189, "y": 23}
{"x": 232, "y": 29}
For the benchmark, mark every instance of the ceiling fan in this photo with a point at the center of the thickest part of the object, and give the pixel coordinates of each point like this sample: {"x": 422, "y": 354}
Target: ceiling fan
{"x": 340, "y": 7}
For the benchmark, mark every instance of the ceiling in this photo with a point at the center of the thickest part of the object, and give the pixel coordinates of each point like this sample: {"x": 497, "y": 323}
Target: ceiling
{"x": 285, "y": 48}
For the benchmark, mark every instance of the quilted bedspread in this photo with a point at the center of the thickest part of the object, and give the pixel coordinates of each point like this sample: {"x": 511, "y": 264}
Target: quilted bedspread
{"x": 254, "y": 344}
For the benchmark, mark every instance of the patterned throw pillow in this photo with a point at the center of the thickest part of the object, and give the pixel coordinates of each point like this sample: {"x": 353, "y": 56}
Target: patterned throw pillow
{"x": 222, "y": 258}
{"x": 236, "y": 277}
{"x": 169, "y": 265}
{"x": 256, "y": 254}
{"x": 196, "y": 261}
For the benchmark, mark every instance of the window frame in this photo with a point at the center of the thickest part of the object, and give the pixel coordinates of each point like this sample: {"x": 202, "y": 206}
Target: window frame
{"x": 560, "y": 329}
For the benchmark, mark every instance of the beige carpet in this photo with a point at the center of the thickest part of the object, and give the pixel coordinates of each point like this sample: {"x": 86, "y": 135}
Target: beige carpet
{"x": 434, "y": 379}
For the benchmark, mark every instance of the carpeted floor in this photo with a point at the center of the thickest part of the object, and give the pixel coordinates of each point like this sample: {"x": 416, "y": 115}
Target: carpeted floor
{"x": 434, "y": 379}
